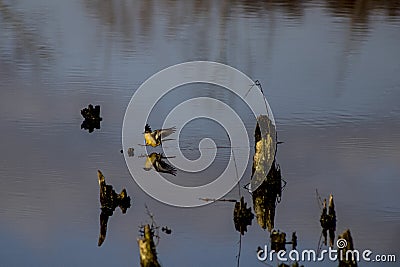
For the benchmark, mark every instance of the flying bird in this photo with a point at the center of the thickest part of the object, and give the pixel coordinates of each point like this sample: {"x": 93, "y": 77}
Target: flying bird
{"x": 153, "y": 138}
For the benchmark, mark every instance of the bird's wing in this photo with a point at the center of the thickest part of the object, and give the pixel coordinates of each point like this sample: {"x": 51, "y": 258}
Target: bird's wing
{"x": 150, "y": 161}
{"x": 165, "y": 132}
{"x": 148, "y": 164}
{"x": 147, "y": 128}
{"x": 162, "y": 166}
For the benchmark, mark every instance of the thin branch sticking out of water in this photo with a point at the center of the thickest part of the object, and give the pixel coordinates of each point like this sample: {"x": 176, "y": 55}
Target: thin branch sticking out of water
{"x": 221, "y": 200}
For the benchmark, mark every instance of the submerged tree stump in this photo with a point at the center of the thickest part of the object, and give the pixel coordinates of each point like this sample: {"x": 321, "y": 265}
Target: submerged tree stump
{"x": 264, "y": 150}
{"x": 147, "y": 249}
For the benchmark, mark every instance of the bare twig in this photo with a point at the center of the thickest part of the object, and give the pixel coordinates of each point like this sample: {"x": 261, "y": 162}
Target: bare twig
{"x": 319, "y": 199}
{"x": 240, "y": 250}
{"x": 154, "y": 226}
{"x": 222, "y": 200}
{"x": 234, "y": 161}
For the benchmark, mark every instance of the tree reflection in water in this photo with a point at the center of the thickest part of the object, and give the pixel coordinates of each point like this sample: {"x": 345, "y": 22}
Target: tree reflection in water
{"x": 328, "y": 221}
{"x": 242, "y": 216}
{"x": 91, "y": 117}
{"x": 109, "y": 201}
{"x": 266, "y": 197}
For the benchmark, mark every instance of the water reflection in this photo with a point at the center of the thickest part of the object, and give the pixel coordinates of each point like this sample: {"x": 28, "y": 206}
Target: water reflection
{"x": 362, "y": 27}
{"x": 279, "y": 242}
{"x": 328, "y": 221}
{"x": 266, "y": 197}
{"x": 267, "y": 184}
{"x": 295, "y": 264}
{"x": 361, "y": 11}
{"x": 156, "y": 161}
{"x": 242, "y": 216}
{"x": 119, "y": 16}
{"x": 91, "y": 117}
{"x": 28, "y": 41}
{"x": 109, "y": 201}
{"x": 265, "y": 187}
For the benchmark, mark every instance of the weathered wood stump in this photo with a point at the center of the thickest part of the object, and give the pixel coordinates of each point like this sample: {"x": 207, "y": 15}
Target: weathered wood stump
{"x": 347, "y": 261}
{"x": 147, "y": 249}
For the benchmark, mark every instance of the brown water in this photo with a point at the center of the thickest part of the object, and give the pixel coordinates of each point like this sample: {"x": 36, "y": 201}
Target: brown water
{"x": 329, "y": 69}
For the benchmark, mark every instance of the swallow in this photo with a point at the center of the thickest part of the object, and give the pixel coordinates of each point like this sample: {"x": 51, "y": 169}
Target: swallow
{"x": 156, "y": 161}
{"x": 153, "y": 138}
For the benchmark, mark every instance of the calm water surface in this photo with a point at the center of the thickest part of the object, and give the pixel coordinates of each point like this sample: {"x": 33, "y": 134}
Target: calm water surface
{"x": 329, "y": 69}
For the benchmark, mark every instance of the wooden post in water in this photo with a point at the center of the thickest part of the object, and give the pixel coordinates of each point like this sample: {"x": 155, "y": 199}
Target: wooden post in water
{"x": 348, "y": 247}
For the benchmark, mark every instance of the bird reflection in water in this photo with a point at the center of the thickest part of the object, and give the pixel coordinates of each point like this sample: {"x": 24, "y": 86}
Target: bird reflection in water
{"x": 109, "y": 201}
{"x": 156, "y": 161}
